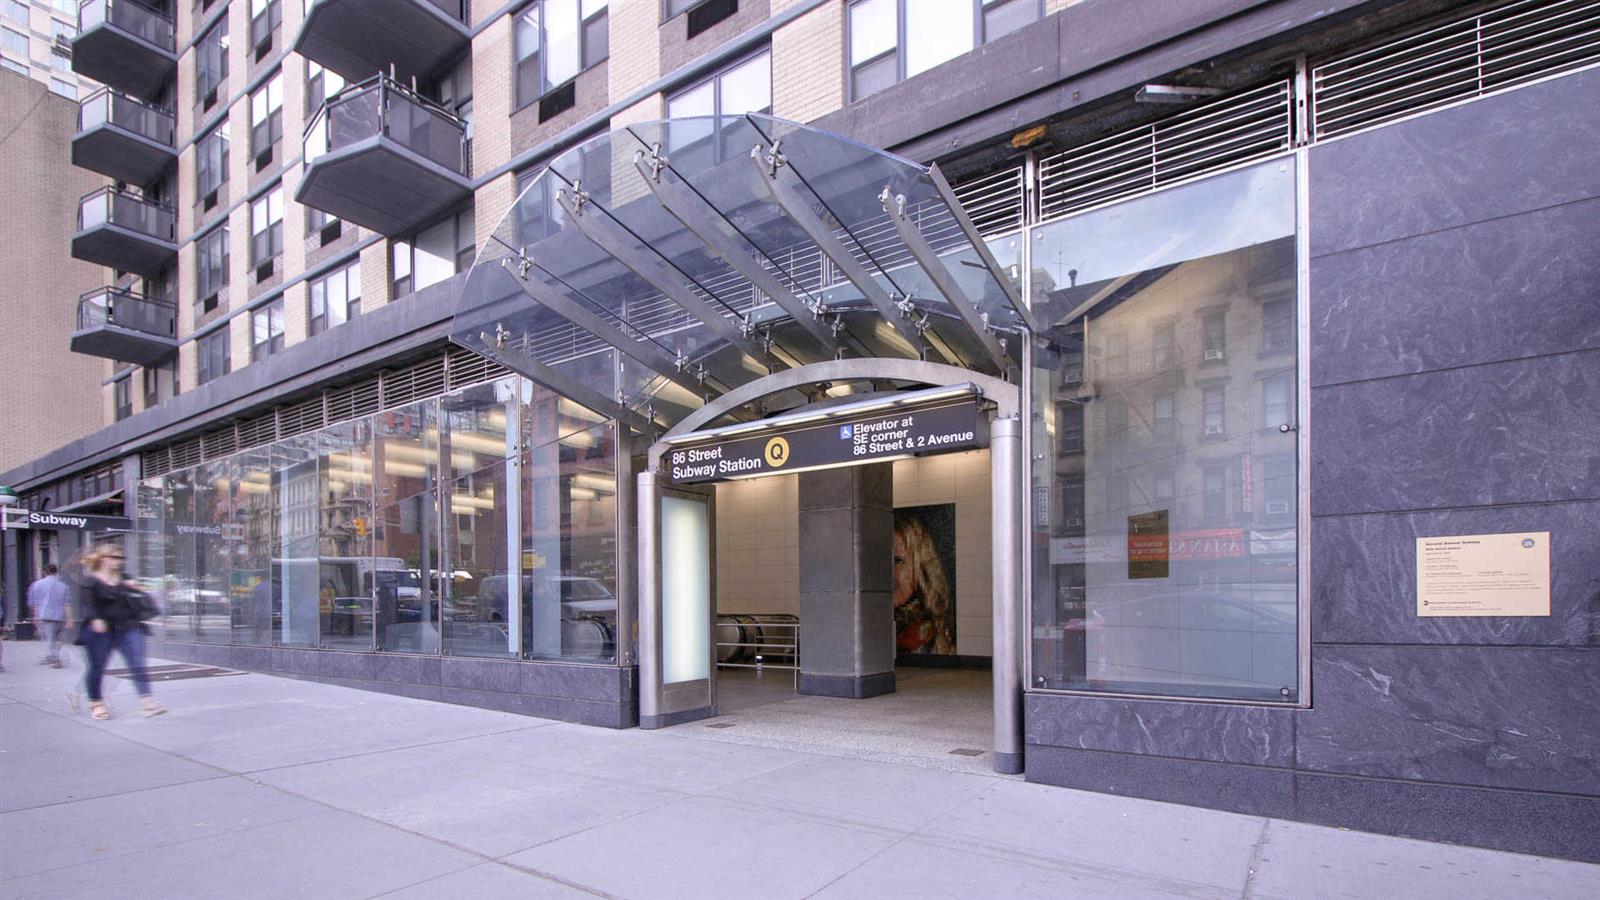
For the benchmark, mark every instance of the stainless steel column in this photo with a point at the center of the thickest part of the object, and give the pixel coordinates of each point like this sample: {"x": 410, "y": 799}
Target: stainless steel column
{"x": 1005, "y": 473}
{"x": 649, "y": 587}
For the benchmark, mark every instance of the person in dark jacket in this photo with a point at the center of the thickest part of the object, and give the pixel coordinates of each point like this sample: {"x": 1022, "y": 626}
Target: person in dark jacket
{"x": 112, "y": 622}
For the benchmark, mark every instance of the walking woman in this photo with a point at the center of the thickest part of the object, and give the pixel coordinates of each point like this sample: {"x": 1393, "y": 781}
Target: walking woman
{"x": 113, "y": 620}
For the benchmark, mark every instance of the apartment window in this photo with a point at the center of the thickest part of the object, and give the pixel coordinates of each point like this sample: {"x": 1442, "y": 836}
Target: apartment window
{"x": 64, "y": 88}
{"x": 435, "y": 254}
{"x": 266, "y": 231}
{"x": 1277, "y": 326}
{"x": 1164, "y": 347}
{"x": 555, "y": 40}
{"x": 1212, "y": 411}
{"x": 1166, "y": 486}
{"x": 70, "y": 7}
{"x": 16, "y": 12}
{"x": 1214, "y": 497}
{"x": 213, "y": 359}
{"x": 322, "y": 226}
{"x": 60, "y": 30}
{"x": 744, "y": 87}
{"x": 1163, "y": 417}
{"x": 265, "y": 16}
{"x": 160, "y": 383}
{"x": 335, "y": 298}
{"x": 266, "y": 120}
{"x": 1116, "y": 420}
{"x": 891, "y": 40}
{"x": 1214, "y": 333}
{"x": 60, "y": 60}
{"x": 211, "y": 163}
{"x": 1278, "y": 485}
{"x": 320, "y": 85}
{"x": 1116, "y": 493}
{"x": 671, "y": 9}
{"x": 211, "y": 267}
{"x": 14, "y": 66}
{"x": 211, "y": 63}
{"x": 1114, "y": 353}
{"x": 122, "y": 396}
{"x": 1277, "y": 401}
{"x": 266, "y": 330}
{"x": 14, "y": 41}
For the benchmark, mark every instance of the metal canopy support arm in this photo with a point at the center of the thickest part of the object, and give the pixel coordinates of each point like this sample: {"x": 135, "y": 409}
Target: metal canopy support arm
{"x": 700, "y": 217}
{"x": 648, "y": 355}
{"x": 799, "y": 211}
{"x": 971, "y": 231}
{"x": 911, "y": 236}
{"x": 570, "y": 388}
{"x": 624, "y": 248}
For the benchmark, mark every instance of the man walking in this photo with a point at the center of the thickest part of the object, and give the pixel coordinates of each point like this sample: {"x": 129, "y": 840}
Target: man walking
{"x": 50, "y": 600}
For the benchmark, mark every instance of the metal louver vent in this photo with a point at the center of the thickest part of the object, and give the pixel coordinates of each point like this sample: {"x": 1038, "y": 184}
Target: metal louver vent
{"x": 186, "y": 453}
{"x": 1466, "y": 58}
{"x": 464, "y": 367}
{"x": 1219, "y": 134}
{"x": 298, "y": 418}
{"x": 155, "y": 462}
{"x": 416, "y": 382}
{"x": 994, "y": 201}
{"x": 221, "y": 442}
{"x": 262, "y": 429}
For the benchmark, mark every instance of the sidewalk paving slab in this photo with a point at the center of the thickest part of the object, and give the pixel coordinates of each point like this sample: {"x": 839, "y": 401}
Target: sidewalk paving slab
{"x": 263, "y": 787}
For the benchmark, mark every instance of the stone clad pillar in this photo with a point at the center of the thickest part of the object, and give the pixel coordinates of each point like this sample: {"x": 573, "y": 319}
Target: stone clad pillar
{"x": 846, "y": 575}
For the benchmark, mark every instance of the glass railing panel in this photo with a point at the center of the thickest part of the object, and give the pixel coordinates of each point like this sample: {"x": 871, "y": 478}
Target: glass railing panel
{"x": 430, "y": 133}
{"x": 125, "y": 309}
{"x": 109, "y": 206}
{"x": 133, "y": 18}
{"x": 354, "y": 117}
{"x": 108, "y": 106}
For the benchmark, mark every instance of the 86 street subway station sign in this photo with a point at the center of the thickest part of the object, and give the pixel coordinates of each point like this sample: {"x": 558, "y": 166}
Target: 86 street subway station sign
{"x": 851, "y": 439}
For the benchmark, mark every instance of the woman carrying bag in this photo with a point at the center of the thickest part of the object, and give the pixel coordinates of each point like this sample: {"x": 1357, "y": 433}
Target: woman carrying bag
{"x": 113, "y": 619}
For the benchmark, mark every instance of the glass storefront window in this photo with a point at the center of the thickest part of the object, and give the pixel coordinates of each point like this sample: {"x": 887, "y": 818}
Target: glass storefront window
{"x": 406, "y": 577}
{"x": 294, "y": 569}
{"x": 344, "y": 536}
{"x": 480, "y": 434}
{"x": 1170, "y": 517}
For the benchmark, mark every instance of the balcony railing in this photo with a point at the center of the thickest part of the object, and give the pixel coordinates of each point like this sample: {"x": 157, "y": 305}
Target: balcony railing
{"x": 110, "y": 107}
{"x": 381, "y": 107}
{"x": 114, "y": 323}
{"x": 131, "y": 18}
{"x": 124, "y": 209}
{"x": 125, "y": 45}
{"x": 121, "y": 308}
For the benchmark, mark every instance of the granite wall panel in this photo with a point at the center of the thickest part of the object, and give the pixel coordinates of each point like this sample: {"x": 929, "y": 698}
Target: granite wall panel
{"x": 1364, "y": 577}
{"x": 1509, "y": 717}
{"x": 1254, "y": 790}
{"x": 1253, "y": 735}
{"x": 1518, "y": 151}
{"x": 1522, "y": 821}
{"x": 1512, "y": 287}
{"x": 1512, "y": 432}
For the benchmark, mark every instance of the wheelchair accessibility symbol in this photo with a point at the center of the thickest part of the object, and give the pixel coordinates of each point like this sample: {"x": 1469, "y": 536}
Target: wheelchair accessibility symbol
{"x": 777, "y": 452}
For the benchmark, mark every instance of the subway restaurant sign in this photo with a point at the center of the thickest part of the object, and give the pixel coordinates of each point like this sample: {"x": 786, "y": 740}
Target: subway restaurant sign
{"x": 865, "y": 438}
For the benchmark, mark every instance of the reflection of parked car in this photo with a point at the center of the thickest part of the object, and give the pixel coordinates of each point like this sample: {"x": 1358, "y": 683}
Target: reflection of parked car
{"x": 588, "y": 610}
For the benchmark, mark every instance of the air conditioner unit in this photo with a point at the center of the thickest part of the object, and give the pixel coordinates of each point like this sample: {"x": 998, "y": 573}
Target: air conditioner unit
{"x": 1277, "y": 507}
{"x": 1213, "y": 430}
{"x": 1072, "y": 522}
{"x": 1214, "y": 354}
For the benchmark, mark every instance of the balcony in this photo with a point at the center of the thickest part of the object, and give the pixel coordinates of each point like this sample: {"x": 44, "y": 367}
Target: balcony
{"x": 125, "y": 45}
{"x": 117, "y": 324}
{"x": 125, "y": 231}
{"x": 384, "y": 158}
{"x": 124, "y": 138}
{"x": 359, "y": 37}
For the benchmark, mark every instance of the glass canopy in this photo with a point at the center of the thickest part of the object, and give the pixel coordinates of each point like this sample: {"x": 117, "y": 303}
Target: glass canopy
{"x": 654, "y": 267}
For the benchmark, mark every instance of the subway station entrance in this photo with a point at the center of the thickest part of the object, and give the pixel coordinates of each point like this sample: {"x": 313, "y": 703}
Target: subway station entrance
{"x": 814, "y": 365}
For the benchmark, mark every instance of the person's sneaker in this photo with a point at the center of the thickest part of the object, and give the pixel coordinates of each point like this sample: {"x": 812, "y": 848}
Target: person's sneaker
{"x": 149, "y": 707}
{"x": 55, "y": 663}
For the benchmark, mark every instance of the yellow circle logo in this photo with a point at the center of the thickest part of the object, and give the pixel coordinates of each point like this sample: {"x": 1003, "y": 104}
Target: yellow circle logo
{"x": 777, "y": 452}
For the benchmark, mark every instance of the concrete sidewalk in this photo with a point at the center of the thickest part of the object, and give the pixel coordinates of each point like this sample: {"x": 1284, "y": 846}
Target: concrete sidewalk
{"x": 256, "y": 786}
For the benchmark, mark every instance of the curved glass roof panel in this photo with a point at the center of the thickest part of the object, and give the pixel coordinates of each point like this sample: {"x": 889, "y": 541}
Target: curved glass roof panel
{"x": 661, "y": 264}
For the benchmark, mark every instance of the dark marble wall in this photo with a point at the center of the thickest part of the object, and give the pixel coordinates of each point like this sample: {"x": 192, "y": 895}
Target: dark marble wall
{"x": 606, "y": 696}
{"x": 1455, "y": 389}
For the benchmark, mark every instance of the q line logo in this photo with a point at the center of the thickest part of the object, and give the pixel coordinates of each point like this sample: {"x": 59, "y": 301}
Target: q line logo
{"x": 777, "y": 452}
